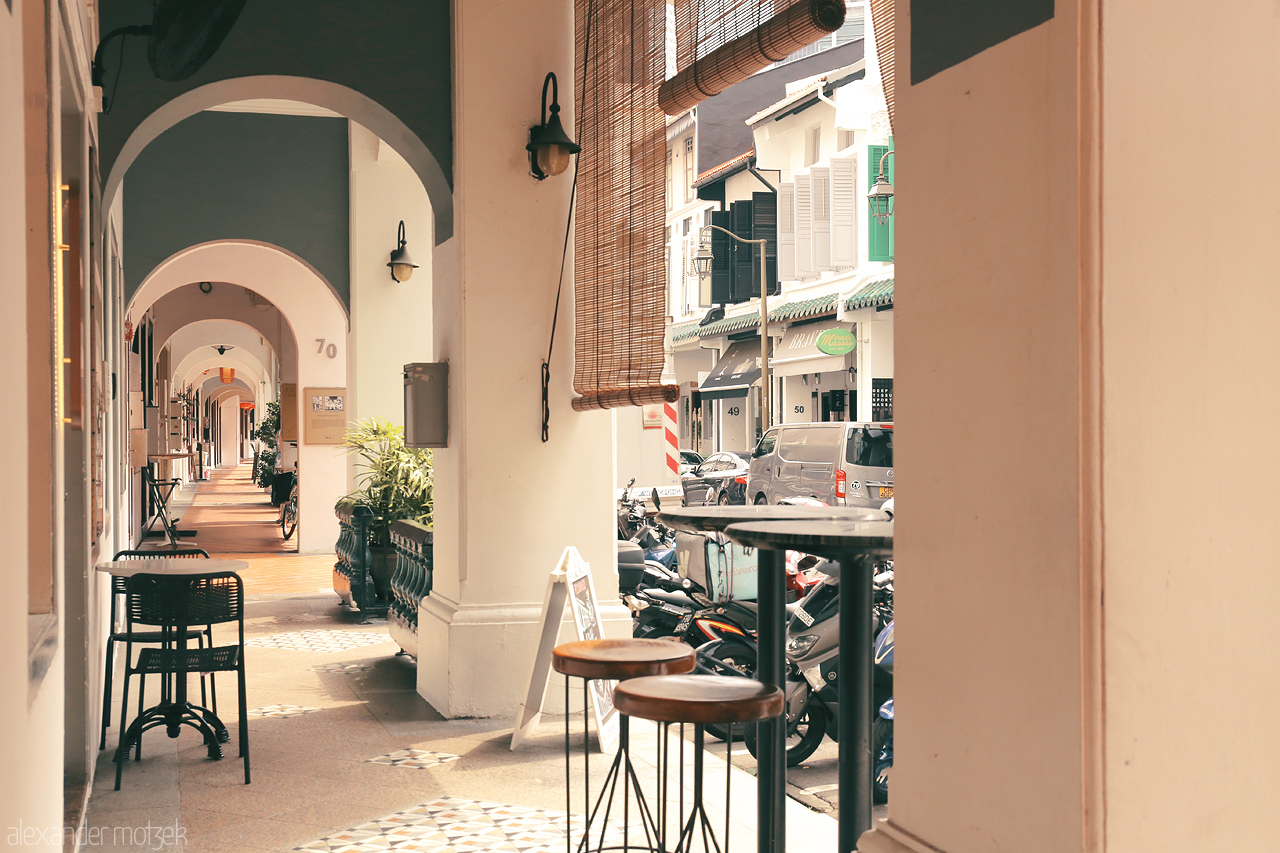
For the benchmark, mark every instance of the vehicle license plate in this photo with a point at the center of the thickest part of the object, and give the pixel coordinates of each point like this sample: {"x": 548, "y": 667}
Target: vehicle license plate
{"x": 886, "y": 491}
{"x": 803, "y": 616}
{"x": 684, "y": 622}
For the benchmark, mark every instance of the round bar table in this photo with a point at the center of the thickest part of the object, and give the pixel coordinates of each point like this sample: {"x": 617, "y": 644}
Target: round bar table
{"x": 856, "y": 545}
{"x": 771, "y": 774}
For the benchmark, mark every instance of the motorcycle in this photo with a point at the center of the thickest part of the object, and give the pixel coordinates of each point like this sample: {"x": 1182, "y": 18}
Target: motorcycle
{"x": 882, "y": 731}
{"x": 634, "y": 525}
{"x": 812, "y": 649}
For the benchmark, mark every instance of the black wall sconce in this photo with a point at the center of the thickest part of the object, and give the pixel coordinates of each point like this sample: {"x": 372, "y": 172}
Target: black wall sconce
{"x": 402, "y": 266}
{"x": 549, "y": 146}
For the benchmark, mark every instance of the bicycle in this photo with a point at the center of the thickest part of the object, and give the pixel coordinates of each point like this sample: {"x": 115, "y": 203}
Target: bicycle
{"x": 289, "y": 512}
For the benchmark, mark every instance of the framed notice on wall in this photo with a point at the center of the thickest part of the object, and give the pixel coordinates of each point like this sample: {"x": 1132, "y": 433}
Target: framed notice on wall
{"x": 324, "y": 415}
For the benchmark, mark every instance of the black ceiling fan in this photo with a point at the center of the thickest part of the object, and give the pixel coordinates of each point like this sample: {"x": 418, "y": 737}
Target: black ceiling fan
{"x": 182, "y": 36}
{"x": 221, "y": 348}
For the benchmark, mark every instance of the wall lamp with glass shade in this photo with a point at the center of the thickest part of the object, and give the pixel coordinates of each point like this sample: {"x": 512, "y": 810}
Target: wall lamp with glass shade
{"x": 881, "y": 196}
{"x": 402, "y": 266}
{"x": 549, "y": 146}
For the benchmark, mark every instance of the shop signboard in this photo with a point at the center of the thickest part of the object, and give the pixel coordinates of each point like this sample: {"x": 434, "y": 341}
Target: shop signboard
{"x": 836, "y": 342}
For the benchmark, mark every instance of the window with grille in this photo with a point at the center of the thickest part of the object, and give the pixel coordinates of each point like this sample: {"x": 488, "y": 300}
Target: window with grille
{"x": 813, "y": 151}
{"x": 845, "y": 139}
{"x": 882, "y": 400}
{"x": 667, "y": 184}
{"x": 688, "y": 169}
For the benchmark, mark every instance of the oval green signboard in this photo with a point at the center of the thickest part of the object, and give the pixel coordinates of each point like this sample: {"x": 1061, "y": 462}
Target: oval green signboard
{"x": 836, "y": 342}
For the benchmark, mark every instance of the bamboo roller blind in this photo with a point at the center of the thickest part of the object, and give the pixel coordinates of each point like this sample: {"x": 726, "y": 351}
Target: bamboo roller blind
{"x": 882, "y": 26}
{"x": 619, "y": 266}
{"x": 722, "y": 42}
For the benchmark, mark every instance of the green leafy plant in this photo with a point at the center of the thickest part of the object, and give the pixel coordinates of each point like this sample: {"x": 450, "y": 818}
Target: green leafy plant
{"x": 266, "y": 434}
{"x": 395, "y": 481}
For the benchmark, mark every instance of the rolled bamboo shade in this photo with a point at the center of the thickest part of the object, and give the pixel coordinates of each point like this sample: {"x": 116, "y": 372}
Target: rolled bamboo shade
{"x": 882, "y": 26}
{"x": 619, "y": 275}
{"x": 726, "y": 42}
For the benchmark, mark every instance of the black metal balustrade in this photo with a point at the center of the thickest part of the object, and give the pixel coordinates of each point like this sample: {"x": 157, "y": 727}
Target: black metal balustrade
{"x": 411, "y": 582}
{"x": 352, "y": 574}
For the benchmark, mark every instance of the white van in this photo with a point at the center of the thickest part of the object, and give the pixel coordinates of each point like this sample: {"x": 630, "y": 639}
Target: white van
{"x": 840, "y": 464}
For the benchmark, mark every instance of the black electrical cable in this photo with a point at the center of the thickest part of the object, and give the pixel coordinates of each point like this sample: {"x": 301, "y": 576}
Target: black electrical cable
{"x": 115, "y": 84}
{"x": 564, "y": 256}
{"x": 568, "y": 225}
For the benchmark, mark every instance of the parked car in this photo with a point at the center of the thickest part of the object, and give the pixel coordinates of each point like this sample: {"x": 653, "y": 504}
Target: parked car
{"x": 721, "y": 478}
{"x": 689, "y": 460}
{"x": 841, "y": 464}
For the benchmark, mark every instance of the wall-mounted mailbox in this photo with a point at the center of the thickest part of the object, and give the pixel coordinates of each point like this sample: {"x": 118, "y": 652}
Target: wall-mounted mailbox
{"x": 426, "y": 404}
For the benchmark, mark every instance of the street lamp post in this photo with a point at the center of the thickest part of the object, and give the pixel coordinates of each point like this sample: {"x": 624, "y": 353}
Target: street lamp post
{"x": 702, "y": 263}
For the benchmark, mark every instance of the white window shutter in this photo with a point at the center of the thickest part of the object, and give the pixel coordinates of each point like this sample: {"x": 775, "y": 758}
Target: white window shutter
{"x": 821, "y": 201}
{"x": 804, "y": 228}
{"x": 844, "y": 213}
{"x": 786, "y": 232}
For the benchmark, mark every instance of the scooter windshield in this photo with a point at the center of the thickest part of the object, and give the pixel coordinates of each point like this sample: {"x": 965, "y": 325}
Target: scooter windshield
{"x": 822, "y": 602}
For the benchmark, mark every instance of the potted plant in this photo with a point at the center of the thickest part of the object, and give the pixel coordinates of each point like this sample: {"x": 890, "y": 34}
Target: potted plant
{"x": 266, "y": 435}
{"x": 395, "y": 483}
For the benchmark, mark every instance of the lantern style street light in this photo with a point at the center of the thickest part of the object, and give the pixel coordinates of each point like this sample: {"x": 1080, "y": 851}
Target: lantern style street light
{"x": 881, "y": 196}
{"x": 550, "y": 148}
{"x": 702, "y": 261}
{"x": 402, "y": 266}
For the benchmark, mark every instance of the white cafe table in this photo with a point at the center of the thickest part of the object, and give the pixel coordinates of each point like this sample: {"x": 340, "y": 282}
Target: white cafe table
{"x": 170, "y": 566}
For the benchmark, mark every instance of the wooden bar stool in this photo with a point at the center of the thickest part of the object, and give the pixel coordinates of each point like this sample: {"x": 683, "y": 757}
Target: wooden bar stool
{"x": 615, "y": 660}
{"x": 699, "y": 699}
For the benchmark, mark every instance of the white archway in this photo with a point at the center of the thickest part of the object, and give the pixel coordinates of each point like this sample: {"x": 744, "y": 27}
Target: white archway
{"x": 314, "y": 313}
{"x": 188, "y": 373}
{"x": 188, "y": 305}
{"x": 203, "y": 336}
{"x": 321, "y": 93}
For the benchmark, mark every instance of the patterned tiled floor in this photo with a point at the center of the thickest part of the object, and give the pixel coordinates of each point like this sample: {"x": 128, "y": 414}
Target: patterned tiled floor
{"x": 418, "y": 759}
{"x": 281, "y": 711}
{"x": 319, "y": 641}
{"x": 456, "y": 825}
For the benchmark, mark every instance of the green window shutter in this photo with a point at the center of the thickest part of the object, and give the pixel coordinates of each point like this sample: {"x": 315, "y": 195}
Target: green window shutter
{"x": 880, "y": 242}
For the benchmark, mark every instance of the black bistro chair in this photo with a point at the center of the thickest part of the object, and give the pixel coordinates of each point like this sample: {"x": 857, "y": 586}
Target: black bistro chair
{"x": 145, "y": 637}
{"x": 172, "y": 603}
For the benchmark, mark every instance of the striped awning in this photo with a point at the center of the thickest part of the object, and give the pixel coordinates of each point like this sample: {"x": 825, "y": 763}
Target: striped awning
{"x": 873, "y": 294}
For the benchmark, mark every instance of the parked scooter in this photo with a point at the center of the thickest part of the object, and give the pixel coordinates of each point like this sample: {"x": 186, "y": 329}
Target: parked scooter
{"x": 634, "y": 525}
{"x": 813, "y": 648}
{"x": 882, "y": 730}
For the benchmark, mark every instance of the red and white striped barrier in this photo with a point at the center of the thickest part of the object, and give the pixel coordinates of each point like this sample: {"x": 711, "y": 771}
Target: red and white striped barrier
{"x": 673, "y": 442}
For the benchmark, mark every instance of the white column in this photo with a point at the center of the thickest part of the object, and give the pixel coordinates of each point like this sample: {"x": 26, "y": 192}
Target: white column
{"x": 506, "y": 503}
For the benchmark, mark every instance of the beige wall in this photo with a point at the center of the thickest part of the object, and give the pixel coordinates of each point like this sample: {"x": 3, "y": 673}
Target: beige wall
{"x": 988, "y": 740}
{"x": 390, "y": 321}
{"x": 1111, "y": 298}
{"x": 1190, "y": 309}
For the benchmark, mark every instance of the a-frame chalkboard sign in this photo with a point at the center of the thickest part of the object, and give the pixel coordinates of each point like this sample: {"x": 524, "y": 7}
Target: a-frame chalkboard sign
{"x": 570, "y": 582}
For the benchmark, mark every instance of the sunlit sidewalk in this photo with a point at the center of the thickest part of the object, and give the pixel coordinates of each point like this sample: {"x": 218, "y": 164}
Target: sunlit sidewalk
{"x": 346, "y": 756}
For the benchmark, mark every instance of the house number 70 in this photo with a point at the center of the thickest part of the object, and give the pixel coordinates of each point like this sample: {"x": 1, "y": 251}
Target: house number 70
{"x": 331, "y": 350}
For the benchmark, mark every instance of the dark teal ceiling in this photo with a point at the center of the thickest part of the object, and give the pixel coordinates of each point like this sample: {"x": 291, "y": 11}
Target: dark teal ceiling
{"x": 279, "y": 179}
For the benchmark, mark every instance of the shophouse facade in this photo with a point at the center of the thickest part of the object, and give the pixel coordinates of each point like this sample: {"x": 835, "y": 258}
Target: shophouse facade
{"x": 813, "y": 155}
